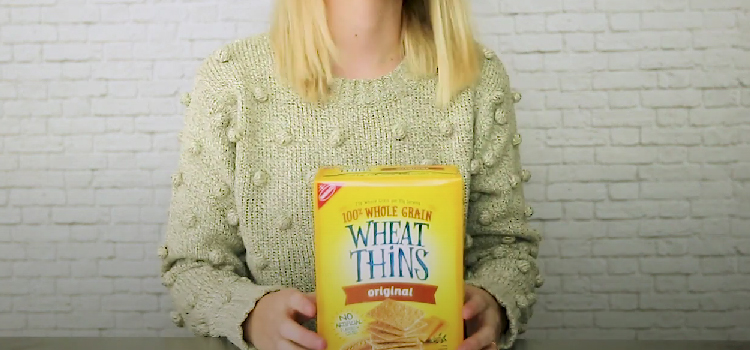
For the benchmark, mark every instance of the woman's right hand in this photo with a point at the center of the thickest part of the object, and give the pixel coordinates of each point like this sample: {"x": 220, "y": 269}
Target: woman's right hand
{"x": 275, "y": 322}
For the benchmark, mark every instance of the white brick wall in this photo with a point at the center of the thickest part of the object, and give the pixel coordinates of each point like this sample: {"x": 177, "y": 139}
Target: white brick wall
{"x": 636, "y": 116}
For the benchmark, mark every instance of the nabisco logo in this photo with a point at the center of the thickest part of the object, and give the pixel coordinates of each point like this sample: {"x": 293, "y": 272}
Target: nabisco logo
{"x": 325, "y": 192}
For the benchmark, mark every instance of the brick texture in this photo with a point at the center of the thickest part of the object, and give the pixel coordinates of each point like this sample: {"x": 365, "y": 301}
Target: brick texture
{"x": 636, "y": 123}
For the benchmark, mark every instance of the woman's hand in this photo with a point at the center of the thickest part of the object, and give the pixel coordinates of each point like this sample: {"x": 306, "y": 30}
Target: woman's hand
{"x": 275, "y": 322}
{"x": 485, "y": 320}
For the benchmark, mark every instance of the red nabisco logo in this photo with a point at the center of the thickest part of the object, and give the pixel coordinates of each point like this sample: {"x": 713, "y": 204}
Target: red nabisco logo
{"x": 325, "y": 192}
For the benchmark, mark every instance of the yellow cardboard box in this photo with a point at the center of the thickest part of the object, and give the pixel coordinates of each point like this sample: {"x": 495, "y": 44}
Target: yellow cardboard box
{"x": 389, "y": 248}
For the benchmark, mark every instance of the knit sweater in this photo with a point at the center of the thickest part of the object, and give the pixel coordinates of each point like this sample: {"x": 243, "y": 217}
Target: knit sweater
{"x": 240, "y": 220}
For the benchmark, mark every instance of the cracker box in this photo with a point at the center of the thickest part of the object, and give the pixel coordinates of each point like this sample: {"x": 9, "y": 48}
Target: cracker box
{"x": 389, "y": 257}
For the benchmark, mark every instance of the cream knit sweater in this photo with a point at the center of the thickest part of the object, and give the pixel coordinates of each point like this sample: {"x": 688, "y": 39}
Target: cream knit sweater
{"x": 240, "y": 223}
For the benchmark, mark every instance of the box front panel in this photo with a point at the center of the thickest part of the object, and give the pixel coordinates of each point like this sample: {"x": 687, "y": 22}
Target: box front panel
{"x": 389, "y": 262}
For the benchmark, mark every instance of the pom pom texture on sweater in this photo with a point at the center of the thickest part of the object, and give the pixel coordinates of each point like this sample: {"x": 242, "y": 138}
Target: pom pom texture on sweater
{"x": 240, "y": 219}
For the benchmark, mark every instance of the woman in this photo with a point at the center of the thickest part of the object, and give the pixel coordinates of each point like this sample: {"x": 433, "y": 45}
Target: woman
{"x": 349, "y": 83}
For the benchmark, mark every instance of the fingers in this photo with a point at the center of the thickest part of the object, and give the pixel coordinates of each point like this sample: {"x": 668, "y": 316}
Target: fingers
{"x": 301, "y": 303}
{"x": 284, "y": 344}
{"x": 301, "y": 336}
{"x": 474, "y": 306}
{"x": 481, "y": 339}
{"x": 312, "y": 297}
{"x": 492, "y": 346}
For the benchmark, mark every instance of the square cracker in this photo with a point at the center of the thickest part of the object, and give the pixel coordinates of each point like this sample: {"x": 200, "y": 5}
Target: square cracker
{"x": 385, "y": 327}
{"x": 380, "y": 339}
{"x": 386, "y": 337}
{"x": 383, "y": 333}
{"x": 417, "y": 346}
{"x": 358, "y": 344}
{"x": 417, "y": 326}
{"x": 396, "y": 346}
{"x": 434, "y": 324}
{"x": 402, "y": 341}
{"x": 397, "y": 314}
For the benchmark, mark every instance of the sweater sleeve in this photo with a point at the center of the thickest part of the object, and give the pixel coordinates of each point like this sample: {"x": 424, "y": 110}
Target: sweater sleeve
{"x": 501, "y": 247}
{"x": 202, "y": 256}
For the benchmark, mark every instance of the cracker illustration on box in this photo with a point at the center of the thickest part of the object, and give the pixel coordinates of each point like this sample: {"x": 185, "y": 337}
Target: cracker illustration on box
{"x": 389, "y": 258}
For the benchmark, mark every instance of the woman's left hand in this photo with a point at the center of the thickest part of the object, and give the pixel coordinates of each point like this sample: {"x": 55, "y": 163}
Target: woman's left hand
{"x": 485, "y": 320}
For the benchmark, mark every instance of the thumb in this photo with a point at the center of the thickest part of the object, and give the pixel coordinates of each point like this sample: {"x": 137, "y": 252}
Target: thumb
{"x": 313, "y": 297}
{"x": 474, "y": 306}
{"x": 301, "y": 303}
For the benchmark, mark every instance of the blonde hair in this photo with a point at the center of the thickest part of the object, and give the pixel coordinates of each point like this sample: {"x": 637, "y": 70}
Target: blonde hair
{"x": 438, "y": 40}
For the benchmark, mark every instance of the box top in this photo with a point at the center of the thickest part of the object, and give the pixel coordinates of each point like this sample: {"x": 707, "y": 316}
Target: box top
{"x": 389, "y": 172}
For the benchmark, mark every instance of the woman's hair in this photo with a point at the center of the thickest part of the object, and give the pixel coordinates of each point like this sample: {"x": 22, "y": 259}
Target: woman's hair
{"x": 437, "y": 35}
